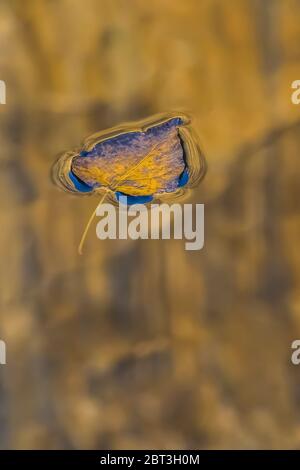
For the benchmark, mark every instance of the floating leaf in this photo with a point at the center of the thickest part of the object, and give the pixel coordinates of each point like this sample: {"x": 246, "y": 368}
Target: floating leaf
{"x": 149, "y": 160}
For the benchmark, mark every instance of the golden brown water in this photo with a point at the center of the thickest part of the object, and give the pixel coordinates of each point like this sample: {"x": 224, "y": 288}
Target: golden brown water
{"x": 141, "y": 344}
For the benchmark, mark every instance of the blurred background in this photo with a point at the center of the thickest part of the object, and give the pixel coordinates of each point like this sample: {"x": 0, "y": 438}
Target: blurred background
{"x": 141, "y": 344}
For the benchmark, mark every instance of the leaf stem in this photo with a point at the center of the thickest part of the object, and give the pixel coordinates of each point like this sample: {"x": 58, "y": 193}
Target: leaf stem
{"x": 89, "y": 223}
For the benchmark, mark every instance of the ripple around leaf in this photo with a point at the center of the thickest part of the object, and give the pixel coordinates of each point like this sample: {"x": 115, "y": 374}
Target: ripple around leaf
{"x": 158, "y": 157}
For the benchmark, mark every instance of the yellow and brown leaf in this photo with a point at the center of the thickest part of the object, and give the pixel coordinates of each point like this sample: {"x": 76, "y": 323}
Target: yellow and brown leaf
{"x": 140, "y": 163}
